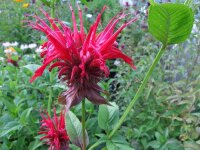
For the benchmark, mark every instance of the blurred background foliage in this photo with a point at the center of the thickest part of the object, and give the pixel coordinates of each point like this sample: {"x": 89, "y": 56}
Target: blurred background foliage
{"x": 167, "y": 115}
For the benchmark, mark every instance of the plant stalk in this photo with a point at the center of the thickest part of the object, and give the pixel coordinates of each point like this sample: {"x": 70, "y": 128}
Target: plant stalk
{"x": 50, "y": 95}
{"x": 137, "y": 95}
{"x": 52, "y": 8}
{"x": 83, "y": 124}
{"x": 51, "y": 76}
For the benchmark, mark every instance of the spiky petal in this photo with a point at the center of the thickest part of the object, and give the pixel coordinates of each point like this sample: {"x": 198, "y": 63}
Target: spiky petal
{"x": 54, "y": 131}
{"x": 80, "y": 58}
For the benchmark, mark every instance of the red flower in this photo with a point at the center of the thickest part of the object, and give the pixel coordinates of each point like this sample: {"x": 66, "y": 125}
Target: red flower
{"x": 80, "y": 58}
{"x": 14, "y": 62}
{"x": 55, "y": 133}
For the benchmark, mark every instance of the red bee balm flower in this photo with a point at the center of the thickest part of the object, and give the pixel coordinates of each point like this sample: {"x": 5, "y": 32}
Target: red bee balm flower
{"x": 80, "y": 58}
{"x": 55, "y": 133}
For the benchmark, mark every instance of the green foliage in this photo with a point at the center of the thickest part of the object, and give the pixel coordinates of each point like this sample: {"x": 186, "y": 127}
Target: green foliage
{"x": 117, "y": 143}
{"x": 74, "y": 130}
{"x": 170, "y": 23}
{"x": 12, "y": 28}
{"x": 165, "y": 117}
{"x": 108, "y": 116}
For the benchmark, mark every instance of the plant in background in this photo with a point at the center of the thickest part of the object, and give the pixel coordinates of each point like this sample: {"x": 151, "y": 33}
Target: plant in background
{"x": 149, "y": 120}
{"x": 81, "y": 59}
{"x": 55, "y": 134}
{"x": 10, "y": 53}
{"x": 25, "y": 5}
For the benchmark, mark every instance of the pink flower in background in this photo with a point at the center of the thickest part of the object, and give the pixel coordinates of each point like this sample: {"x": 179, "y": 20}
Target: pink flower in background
{"x": 80, "y": 58}
{"x": 54, "y": 132}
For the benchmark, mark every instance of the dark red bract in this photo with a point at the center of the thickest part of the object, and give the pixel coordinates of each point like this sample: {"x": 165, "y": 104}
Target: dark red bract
{"x": 80, "y": 58}
{"x": 54, "y": 130}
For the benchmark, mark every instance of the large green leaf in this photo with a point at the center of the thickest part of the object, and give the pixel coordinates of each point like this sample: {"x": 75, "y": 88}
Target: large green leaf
{"x": 170, "y": 23}
{"x": 108, "y": 116}
{"x": 74, "y": 130}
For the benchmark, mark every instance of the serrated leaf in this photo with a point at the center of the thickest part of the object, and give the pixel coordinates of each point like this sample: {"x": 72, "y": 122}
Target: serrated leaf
{"x": 108, "y": 116}
{"x": 74, "y": 130}
{"x": 170, "y": 23}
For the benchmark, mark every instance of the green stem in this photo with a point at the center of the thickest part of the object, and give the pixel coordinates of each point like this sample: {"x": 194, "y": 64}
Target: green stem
{"x": 51, "y": 76}
{"x": 52, "y": 8}
{"x": 83, "y": 124}
{"x": 50, "y": 95}
{"x": 137, "y": 95}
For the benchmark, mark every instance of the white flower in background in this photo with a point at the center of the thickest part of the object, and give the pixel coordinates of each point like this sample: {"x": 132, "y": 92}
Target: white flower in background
{"x": 144, "y": 9}
{"x": 33, "y": 45}
{"x": 14, "y": 44}
{"x": 117, "y": 63}
{"x": 89, "y": 16}
{"x": 6, "y": 44}
{"x": 2, "y": 59}
{"x": 39, "y": 49}
{"x": 126, "y": 2}
{"x": 78, "y": 2}
{"x": 195, "y": 28}
{"x": 23, "y": 46}
{"x": 10, "y": 51}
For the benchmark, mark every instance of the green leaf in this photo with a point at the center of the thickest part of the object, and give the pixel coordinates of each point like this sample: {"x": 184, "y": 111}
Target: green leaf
{"x": 108, "y": 116}
{"x": 35, "y": 144}
{"x": 85, "y": 3}
{"x": 25, "y": 115}
{"x": 74, "y": 130}
{"x": 20, "y": 142}
{"x": 46, "y": 2}
{"x": 173, "y": 144}
{"x": 10, "y": 127}
{"x": 170, "y": 23}
{"x": 154, "y": 144}
{"x": 118, "y": 143}
{"x": 10, "y": 106}
{"x": 32, "y": 67}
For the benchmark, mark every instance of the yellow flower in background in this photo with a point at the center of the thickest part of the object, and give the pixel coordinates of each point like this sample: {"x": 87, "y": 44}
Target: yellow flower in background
{"x": 18, "y": 0}
{"x": 10, "y": 51}
{"x": 25, "y": 5}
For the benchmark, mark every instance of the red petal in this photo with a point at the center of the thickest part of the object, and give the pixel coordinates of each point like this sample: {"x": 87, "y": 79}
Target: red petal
{"x": 116, "y": 53}
{"x": 112, "y": 39}
{"x": 41, "y": 69}
{"x": 56, "y": 64}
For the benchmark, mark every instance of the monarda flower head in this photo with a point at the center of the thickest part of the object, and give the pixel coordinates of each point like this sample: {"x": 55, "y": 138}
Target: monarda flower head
{"x": 54, "y": 132}
{"x": 80, "y": 58}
